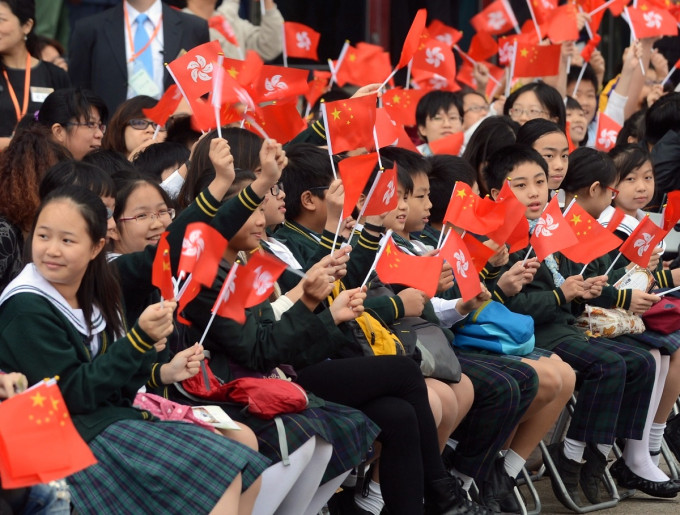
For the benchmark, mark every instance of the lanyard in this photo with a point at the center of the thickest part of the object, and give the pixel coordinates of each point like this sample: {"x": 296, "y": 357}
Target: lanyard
{"x": 27, "y": 87}
{"x": 135, "y": 55}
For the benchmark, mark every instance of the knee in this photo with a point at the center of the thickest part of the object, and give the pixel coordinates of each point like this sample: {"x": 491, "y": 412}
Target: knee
{"x": 435, "y": 405}
{"x": 568, "y": 377}
{"x": 245, "y": 436}
{"x": 549, "y": 383}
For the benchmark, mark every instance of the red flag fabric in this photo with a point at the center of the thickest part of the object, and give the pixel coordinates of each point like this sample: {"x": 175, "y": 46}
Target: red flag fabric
{"x": 482, "y": 46}
{"x": 412, "y": 40}
{"x": 563, "y": 24}
{"x": 165, "y": 107}
{"x": 433, "y": 57}
{"x": 513, "y": 214}
{"x": 444, "y": 33}
{"x": 470, "y": 212}
{"x": 649, "y": 21}
{"x": 590, "y": 47}
{"x": 194, "y": 70}
{"x": 519, "y": 237}
{"x": 458, "y": 256}
{"x": 450, "y": 144}
{"x": 349, "y": 123}
{"x": 506, "y": 49}
{"x": 281, "y": 121}
{"x": 639, "y": 246}
{"x": 244, "y": 72}
{"x": 465, "y": 75}
{"x": 300, "y": 40}
{"x": 264, "y": 270}
{"x": 38, "y": 441}
{"x": 496, "y": 18}
{"x": 364, "y": 64}
{"x": 278, "y": 82}
{"x": 606, "y": 133}
{"x": 552, "y": 232}
{"x": 355, "y": 172}
{"x": 543, "y": 10}
{"x": 429, "y": 81}
{"x": 671, "y": 213}
{"x": 420, "y": 272}
{"x": 202, "y": 115}
{"x": 616, "y": 8}
{"x": 616, "y": 219}
{"x": 202, "y": 250}
{"x": 537, "y": 60}
{"x": 161, "y": 271}
{"x": 384, "y": 197}
{"x": 479, "y": 253}
{"x": 386, "y": 129}
{"x": 317, "y": 86}
{"x": 221, "y": 25}
{"x": 594, "y": 240}
{"x": 401, "y": 104}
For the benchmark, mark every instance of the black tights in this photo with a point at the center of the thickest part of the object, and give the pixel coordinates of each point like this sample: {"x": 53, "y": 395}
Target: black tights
{"x": 391, "y": 391}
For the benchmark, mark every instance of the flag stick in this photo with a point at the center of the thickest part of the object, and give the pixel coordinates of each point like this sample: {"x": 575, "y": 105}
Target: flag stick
{"x": 668, "y": 75}
{"x": 337, "y": 231}
{"x": 257, "y": 127}
{"x": 583, "y": 270}
{"x": 377, "y": 147}
{"x": 569, "y": 65}
{"x": 296, "y": 272}
{"x": 533, "y": 18}
{"x": 625, "y": 276}
{"x": 578, "y": 80}
{"x": 511, "y": 13}
{"x": 183, "y": 288}
{"x": 602, "y": 7}
{"x": 308, "y": 110}
{"x": 262, "y": 7}
{"x": 388, "y": 79}
{"x": 370, "y": 193}
{"x": 341, "y": 58}
{"x": 227, "y": 282}
{"x": 408, "y": 74}
{"x": 633, "y": 36}
{"x": 324, "y": 115}
{"x": 218, "y": 79}
{"x": 283, "y": 46}
{"x": 464, "y": 55}
{"x": 381, "y": 249}
{"x": 179, "y": 86}
{"x": 613, "y": 263}
{"x": 512, "y": 69}
{"x": 332, "y": 70}
{"x": 155, "y": 133}
{"x": 668, "y": 291}
{"x": 588, "y": 29}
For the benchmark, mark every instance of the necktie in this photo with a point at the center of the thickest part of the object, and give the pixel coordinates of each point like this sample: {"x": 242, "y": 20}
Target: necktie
{"x": 141, "y": 39}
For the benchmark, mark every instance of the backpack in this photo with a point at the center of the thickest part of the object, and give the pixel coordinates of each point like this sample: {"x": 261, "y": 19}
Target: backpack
{"x": 267, "y": 397}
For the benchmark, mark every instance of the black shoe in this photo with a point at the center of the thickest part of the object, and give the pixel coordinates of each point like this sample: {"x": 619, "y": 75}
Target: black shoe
{"x": 446, "y": 497}
{"x": 672, "y": 435}
{"x": 569, "y": 471}
{"x": 629, "y": 479}
{"x": 592, "y": 473}
{"x": 342, "y": 503}
{"x": 497, "y": 491}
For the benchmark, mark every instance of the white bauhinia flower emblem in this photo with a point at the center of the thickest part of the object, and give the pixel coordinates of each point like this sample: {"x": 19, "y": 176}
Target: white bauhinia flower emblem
{"x": 193, "y": 245}
{"x": 200, "y": 69}
{"x": 303, "y": 40}
{"x": 547, "y": 4}
{"x": 496, "y": 20}
{"x": 545, "y": 226}
{"x": 274, "y": 83}
{"x": 462, "y": 264}
{"x": 642, "y": 244}
{"x": 389, "y": 193}
{"x": 652, "y": 19}
{"x": 434, "y": 56}
{"x": 607, "y": 138}
{"x": 446, "y": 39}
{"x": 263, "y": 281}
{"x": 438, "y": 82}
{"x": 506, "y": 52}
{"x": 231, "y": 288}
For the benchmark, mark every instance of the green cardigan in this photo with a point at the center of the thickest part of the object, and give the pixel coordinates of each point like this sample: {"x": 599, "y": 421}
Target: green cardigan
{"x": 38, "y": 341}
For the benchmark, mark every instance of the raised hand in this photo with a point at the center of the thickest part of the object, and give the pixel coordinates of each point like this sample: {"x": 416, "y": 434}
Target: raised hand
{"x": 183, "y": 365}
{"x": 156, "y": 321}
{"x": 348, "y": 305}
{"x": 413, "y": 301}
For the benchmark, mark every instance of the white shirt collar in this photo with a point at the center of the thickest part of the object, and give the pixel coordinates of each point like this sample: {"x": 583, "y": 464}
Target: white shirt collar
{"x": 154, "y": 13}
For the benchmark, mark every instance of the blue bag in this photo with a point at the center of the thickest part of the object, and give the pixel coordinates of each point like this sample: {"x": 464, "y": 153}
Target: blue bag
{"x": 495, "y": 328}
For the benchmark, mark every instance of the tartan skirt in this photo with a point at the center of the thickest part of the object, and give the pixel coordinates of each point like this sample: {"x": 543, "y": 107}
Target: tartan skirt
{"x": 666, "y": 343}
{"x": 161, "y": 467}
{"x": 348, "y": 430}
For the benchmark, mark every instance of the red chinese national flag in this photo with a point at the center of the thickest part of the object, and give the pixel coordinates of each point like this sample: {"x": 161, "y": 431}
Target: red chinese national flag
{"x": 433, "y": 56}
{"x": 444, "y": 33}
{"x": 165, "y": 107}
{"x": 450, "y": 144}
{"x": 640, "y": 245}
{"x": 420, "y": 272}
{"x": 514, "y": 219}
{"x": 245, "y": 72}
{"x": 552, "y": 232}
{"x": 161, "y": 272}
{"x": 495, "y": 19}
{"x": 384, "y": 197}
{"x": 537, "y": 60}
{"x": 506, "y": 49}
{"x": 300, "y": 40}
{"x": 607, "y": 132}
{"x": 364, "y": 64}
{"x": 193, "y": 72}
{"x": 38, "y": 441}
{"x": 278, "y": 82}
{"x": 202, "y": 250}
{"x": 317, "y": 86}
{"x": 349, "y": 123}
{"x": 479, "y": 253}
{"x": 221, "y": 25}
{"x": 458, "y": 256}
{"x": 482, "y": 46}
{"x": 671, "y": 213}
{"x": 649, "y": 21}
{"x": 412, "y": 40}
{"x": 355, "y": 172}
{"x": 594, "y": 240}
{"x": 470, "y": 212}
{"x": 616, "y": 8}
{"x": 563, "y": 24}
{"x": 590, "y": 47}
{"x": 281, "y": 121}
{"x": 401, "y": 104}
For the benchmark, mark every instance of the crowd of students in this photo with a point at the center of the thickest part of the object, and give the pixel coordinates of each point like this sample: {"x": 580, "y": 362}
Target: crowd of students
{"x": 87, "y": 191}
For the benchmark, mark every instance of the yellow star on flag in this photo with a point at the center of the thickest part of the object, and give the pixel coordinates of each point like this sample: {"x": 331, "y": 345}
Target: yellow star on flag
{"x": 576, "y": 219}
{"x": 461, "y": 194}
{"x": 336, "y": 114}
{"x": 396, "y": 99}
{"x": 524, "y": 52}
{"x": 38, "y": 400}
{"x": 233, "y": 72}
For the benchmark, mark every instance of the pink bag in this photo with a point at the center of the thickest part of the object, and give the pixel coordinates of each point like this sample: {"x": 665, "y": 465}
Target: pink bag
{"x": 165, "y": 409}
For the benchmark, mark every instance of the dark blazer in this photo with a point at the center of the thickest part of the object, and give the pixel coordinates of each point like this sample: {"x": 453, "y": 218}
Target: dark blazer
{"x": 97, "y": 50}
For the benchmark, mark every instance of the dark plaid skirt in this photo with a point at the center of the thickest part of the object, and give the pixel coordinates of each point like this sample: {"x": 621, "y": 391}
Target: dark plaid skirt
{"x": 161, "y": 467}
{"x": 666, "y": 343}
{"x": 348, "y": 430}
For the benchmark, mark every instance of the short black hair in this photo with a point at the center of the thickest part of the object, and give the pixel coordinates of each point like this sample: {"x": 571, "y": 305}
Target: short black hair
{"x": 445, "y": 171}
{"x": 431, "y": 103}
{"x": 572, "y": 103}
{"x": 77, "y": 173}
{"x": 662, "y": 117}
{"x": 110, "y": 161}
{"x": 158, "y": 157}
{"x": 548, "y": 96}
{"x": 535, "y": 129}
{"x": 589, "y": 75}
{"x": 412, "y": 162}
{"x": 633, "y": 127}
{"x": 586, "y": 166}
{"x": 309, "y": 168}
{"x": 504, "y": 161}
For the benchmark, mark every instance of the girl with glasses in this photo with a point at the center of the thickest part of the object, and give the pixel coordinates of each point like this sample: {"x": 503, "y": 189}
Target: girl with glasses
{"x": 130, "y": 130}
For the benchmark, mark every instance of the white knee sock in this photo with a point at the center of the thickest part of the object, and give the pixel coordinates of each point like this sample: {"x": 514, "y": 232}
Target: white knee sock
{"x": 636, "y": 454}
{"x": 278, "y": 479}
{"x": 513, "y": 463}
{"x": 605, "y": 449}
{"x": 655, "y": 439}
{"x": 373, "y": 502}
{"x": 573, "y": 449}
{"x": 325, "y": 492}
